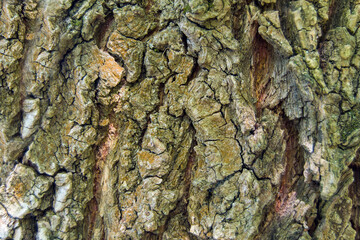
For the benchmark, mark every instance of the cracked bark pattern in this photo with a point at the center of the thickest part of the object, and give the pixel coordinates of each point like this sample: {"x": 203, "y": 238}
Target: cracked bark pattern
{"x": 184, "y": 119}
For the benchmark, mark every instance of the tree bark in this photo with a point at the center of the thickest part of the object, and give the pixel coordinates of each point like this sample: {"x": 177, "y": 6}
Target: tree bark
{"x": 179, "y": 119}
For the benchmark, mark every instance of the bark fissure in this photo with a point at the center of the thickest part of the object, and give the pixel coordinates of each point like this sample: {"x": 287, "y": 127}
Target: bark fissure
{"x": 354, "y": 192}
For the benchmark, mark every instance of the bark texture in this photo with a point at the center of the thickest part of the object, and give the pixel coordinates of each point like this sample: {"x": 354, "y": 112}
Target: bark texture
{"x": 179, "y": 119}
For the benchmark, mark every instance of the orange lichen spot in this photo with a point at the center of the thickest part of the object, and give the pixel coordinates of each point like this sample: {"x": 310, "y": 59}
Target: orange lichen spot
{"x": 128, "y": 215}
{"x": 30, "y": 36}
{"x": 19, "y": 190}
{"x": 120, "y": 44}
{"x": 147, "y": 156}
{"x": 112, "y": 72}
{"x": 104, "y": 122}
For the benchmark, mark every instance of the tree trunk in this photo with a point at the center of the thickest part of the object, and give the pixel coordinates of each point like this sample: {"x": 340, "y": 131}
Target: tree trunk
{"x": 179, "y": 119}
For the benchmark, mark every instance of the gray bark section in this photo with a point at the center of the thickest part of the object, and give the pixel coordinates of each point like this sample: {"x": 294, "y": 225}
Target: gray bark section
{"x": 159, "y": 119}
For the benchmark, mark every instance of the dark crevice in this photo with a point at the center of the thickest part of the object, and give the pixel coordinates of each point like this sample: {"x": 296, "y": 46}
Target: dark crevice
{"x": 237, "y": 10}
{"x": 161, "y": 96}
{"x": 285, "y": 24}
{"x": 92, "y": 219}
{"x": 150, "y": 236}
{"x": 150, "y": 34}
{"x": 293, "y": 158}
{"x": 290, "y": 180}
{"x": 254, "y": 173}
{"x": 75, "y": 5}
{"x": 354, "y": 193}
{"x": 119, "y": 60}
{"x": 323, "y": 206}
{"x": 336, "y": 9}
{"x": 22, "y": 152}
{"x": 97, "y": 86}
{"x": 221, "y": 182}
{"x": 29, "y": 227}
{"x": 194, "y": 72}
{"x": 35, "y": 168}
{"x": 317, "y": 220}
{"x": 184, "y": 40}
{"x": 261, "y": 67}
{"x": 102, "y": 32}
{"x": 91, "y": 213}
{"x": 182, "y": 204}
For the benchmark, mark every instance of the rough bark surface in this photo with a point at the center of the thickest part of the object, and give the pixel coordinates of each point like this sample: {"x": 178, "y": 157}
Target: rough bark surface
{"x": 179, "y": 119}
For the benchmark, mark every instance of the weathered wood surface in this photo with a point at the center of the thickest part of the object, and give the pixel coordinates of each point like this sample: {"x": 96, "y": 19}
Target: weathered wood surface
{"x": 179, "y": 119}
